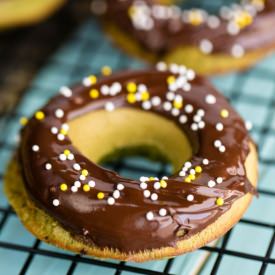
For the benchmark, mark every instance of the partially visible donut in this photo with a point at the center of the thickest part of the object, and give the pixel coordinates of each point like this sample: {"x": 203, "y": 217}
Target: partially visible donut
{"x": 65, "y": 198}
{"x": 235, "y": 39}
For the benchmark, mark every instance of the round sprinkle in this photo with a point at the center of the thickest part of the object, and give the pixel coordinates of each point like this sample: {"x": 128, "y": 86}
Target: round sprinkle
{"x": 62, "y": 157}
{"x": 219, "y": 126}
{"x": 211, "y": 183}
{"x": 167, "y": 106}
{"x": 54, "y": 130}
{"x": 146, "y": 193}
{"x": 205, "y": 161}
{"x": 183, "y": 119}
{"x": 206, "y": 46}
{"x": 86, "y": 188}
{"x": 192, "y": 171}
{"x": 198, "y": 169}
{"x": 56, "y": 202}
{"x": 59, "y": 113}
{"x": 94, "y": 93}
{"x": 190, "y": 74}
{"x": 219, "y": 180}
{"x": 201, "y": 124}
{"x": 222, "y": 149}
{"x": 105, "y": 90}
{"x": 100, "y": 195}
{"x": 116, "y": 194}
{"x": 217, "y": 143}
{"x": 219, "y": 201}
{"x": 60, "y": 137}
{"x": 111, "y": 201}
{"x": 76, "y": 167}
{"x": 171, "y": 79}
{"x": 188, "y": 108}
{"x": 175, "y": 112}
{"x": 65, "y": 91}
{"x": 35, "y": 148}
{"x": 48, "y": 166}
{"x": 131, "y": 98}
{"x": 162, "y": 212}
{"x": 23, "y": 121}
{"x": 39, "y": 115}
{"x": 237, "y": 51}
{"x": 163, "y": 183}
{"x": 170, "y": 96}
{"x": 224, "y": 113}
{"x": 194, "y": 127}
{"x": 248, "y": 125}
{"x": 188, "y": 164}
{"x": 106, "y": 70}
{"x": 190, "y": 197}
{"x": 210, "y": 99}
{"x": 131, "y": 87}
{"x": 64, "y": 187}
{"x": 154, "y": 197}
{"x": 120, "y": 186}
{"x": 182, "y": 173}
{"x": 161, "y": 66}
{"x": 201, "y": 112}
{"x": 91, "y": 183}
{"x": 109, "y": 106}
{"x": 90, "y": 80}
{"x": 150, "y": 216}
{"x": 156, "y": 101}
{"x": 82, "y": 177}
{"x": 143, "y": 178}
{"x": 143, "y": 185}
{"x": 197, "y": 118}
{"x": 157, "y": 185}
{"x": 74, "y": 189}
{"x": 70, "y": 157}
{"x": 77, "y": 183}
{"x": 192, "y": 177}
{"x": 146, "y": 105}
{"x": 84, "y": 172}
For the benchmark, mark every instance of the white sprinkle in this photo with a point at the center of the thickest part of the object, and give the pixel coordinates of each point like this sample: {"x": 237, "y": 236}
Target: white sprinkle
{"x": 248, "y": 125}
{"x": 222, "y": 149}
{"x": 35, "y": 148}
{"x": 146, "y": 193}
{"x": 111, "y": 201}
{"x": 201, "y": 124}
{"x": 156, "y": 101}
{"x": 182, "y": 70}
{"x": 182, "y": 173}
{"x": 60, "y": 137}
{"x": 150, "y": 216}
{"x": 188, "y": 164}
{"x": 162, "y": 212}
{"x": 217, "y": 143}
{"x": 206, "y": 46}
{"x": 188, "y": 108}
{"x": 161, "y": 66}
{"x": 232, "y": 28}
{"x": 65, "y": 127}
{"x": 59, "y": 113}
{"x": 143, "y": 178}
{"x": 142, "y": 88}
{"x": 194, "y": 127}
{"x": 120, "y": 186}
{"x": 82, "y": 177}
{"x": 219, "y": 126}
{"x": 91, "y": 183}
{"x": 183, "y": 119}
{"x": 157, "y": 185}
{"x": 77, "y": 183}
{"x": 237, "y": 51}
{"x": 170, "y": 96}
{"x": 65, "y": 91}
{"x": 56, "y": 202}
{"x": 116, "y": 194}
{"x": 197, "y": 118}
{"x": 48, "y": 166}
{"x": 167, "y": 106}
{"x": 211, "y": 183}
{"x": 76, "y": 167}
{"x": 219, "y": 180}
{"x": 154, "y": 197}
{"x": 186, "y": 87}
{"x": 175, "y": 112}
{"x": 205, "y": 161}
{"x": 105, "y": 90}
{"x": 213, "y": 22}
{"x": 86, "y": 82}
{"x": 54, "y": 130}
{"x": 146, "y": 105}
{"x": 109, "y": 106}
{"x": 200, "y": 112}
{"x": 74, "y": 188}
{"x": 192, "y": 171}
{"x": 143, "y": 185}
{"x": 70, "y": 157}
{"x": 174, "y": 68}
{"x": 190, "y": 74}
{"x": 210, "y": 99}
{"x": 190, "y": 197}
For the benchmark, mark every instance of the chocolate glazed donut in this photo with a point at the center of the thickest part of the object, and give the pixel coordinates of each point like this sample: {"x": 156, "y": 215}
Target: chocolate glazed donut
{"x": 238, "y": 36}
{"x": 122, "y": 218}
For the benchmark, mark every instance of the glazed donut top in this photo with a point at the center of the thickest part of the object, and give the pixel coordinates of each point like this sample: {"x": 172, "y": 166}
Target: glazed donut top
{"x": 160, "y": 28}
{"x": 108, "y": 210}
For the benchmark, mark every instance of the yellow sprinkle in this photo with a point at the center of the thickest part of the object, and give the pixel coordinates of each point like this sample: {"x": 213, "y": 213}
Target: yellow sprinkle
{"x": 163, "y": 184}
{"x": 64, "y": 187}
{"x": 187, "y": 179}
{"x": 93, "y": 79}
{"x": 131, "y": 98}
{"x": 23, "y": 121}
{"x": 219, "y": 201}
{"x": 39, "y": 115}
{"x": 171, "y": 79}
{"x": 244, "y": 19}
{"x": 86, "y": 188}
{"x": 177, "y": 104}
{"x": 67, "y": 152}
{"x": 106, "y": 70}
{"x": 100, "y": 195}
{"x": 131, "y": 11}
{"x": 195, "y": 18}
{"x": 145, "y": 96}
{"x": 131, "y": 87}
{"x": 151, "y": 178}
{"x": 84, "y": 172}
{"x": 94, "y": 93}
{"x": 224, "y": 113}
{"x": 192, "y": 177}
{"x": 198, "y": 169}
{"x": 63, "y": 131}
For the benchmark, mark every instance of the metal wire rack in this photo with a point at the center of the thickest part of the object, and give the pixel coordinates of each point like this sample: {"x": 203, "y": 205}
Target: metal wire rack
{"x": 252, "y": 92}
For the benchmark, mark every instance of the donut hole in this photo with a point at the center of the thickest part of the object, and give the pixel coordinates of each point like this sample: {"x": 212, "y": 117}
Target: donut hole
{"x": 103, "y": 136}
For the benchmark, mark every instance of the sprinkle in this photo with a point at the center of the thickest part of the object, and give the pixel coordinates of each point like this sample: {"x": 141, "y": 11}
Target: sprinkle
{"x": 100, "y": 195}
{"x": 237, "y": 51}
{"x": 201, "y": 124}
{"x": 201, "y": 112}
{"x": 111, "y": 201}
{"x": 90, "y": 80}
{"x": 143, "y": 178}
{"x": 86, "y": 188}
{"x": 190, "y": 197}
{"x": 65, "y": 127}
{"x": 162, "y": 212}
{"x": 182, "y": 174}
{"x": 76, "y": 167}
{"x": 62, "y": 157}
{"x": 82, "y": 177}
{"x": 163, "y": 184}
{"x": 120, "y": 186}
{"x": 167, "y": 106}
{"x": 145, "y": 96}
{"x": 192, "y": 171}
{"x": 91, "y": 183}
{"x": 23, "y": 121}
{"x": 35, "y": 148}
{"x": 106, "y": 70}
{"x": 161, "y": 66}
{"x": 183, "y": 119}
{"x": 146, "y": 105}
{"x": 194, "y": 127}
{"x": 48, "y": 166}
{"x": 59, "y": 113}
{"x": 222, "y": 149}
{"x": 187, "y": 179}
{"x": 109, "y": 106}
{"x": 84, "y": 172}
{"x": 131, "y": 87}
{"x": 205, "y": 161}
{"x": 213, "y": 22}
{"x": 188, "y": 164}
{"x": 219, "y": 201}
{"x": 105, "y": 90}
{"x": 143, "y": 185}
{"x": 56, "y": 202}
{"x": 171, "y": 79}
{"x": 54, "y": 130}
{"x": 219, "y": 180}
{"x": 192, "y": 177}
{"x": 217, "y": 143}
{"x": 170, "y": 96}
{"x": 177, "y": 104}
{"x": 219, "y": 126}
{"x": 156, "y": 101}
{"x": 175, "y": 112}
{"x": 65, "y": 91}
{"x": 157, "y": 185}
{"x": 154, "y": 197}
{"x": 224, "y": 113}
{"x": 198, "y": 169}
{"x": 131, "y": 98}
{"x": 210, "y": 99}
{"x": 197, "y": 118}
{"x": 206, "y": 46}
{"x": 146, "y": 193}
{"x": 67, "y": 152}
{"x": 211, "y": 183}
{"x": 77, "y": 183}
{"x": 248, "y": 125}
{"x": 190, "y": 74}
{"x": 60, "y": 137}
{"x": 63, "y": 187}
{"x": 188, "y": 108}
{"x": 94, "y": 93}
{"x": 39, "y": 115}
{"x": 149, "y": 216}
{"x": 74, "y": 189}
{"x": 116, "y": 194}
{"x": 186, "y": 87}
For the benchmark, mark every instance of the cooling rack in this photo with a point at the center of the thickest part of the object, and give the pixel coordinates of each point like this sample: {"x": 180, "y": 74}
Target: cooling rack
{"x": 246, "y": 249}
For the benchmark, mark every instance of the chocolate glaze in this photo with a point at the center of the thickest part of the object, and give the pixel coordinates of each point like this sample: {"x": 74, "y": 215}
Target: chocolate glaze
{"x": 167, "y": 34}
{"x": 124, "y": 226}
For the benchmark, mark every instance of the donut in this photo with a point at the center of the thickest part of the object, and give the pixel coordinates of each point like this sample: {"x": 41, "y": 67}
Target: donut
{"x": 234, "y": 39}
{"x": 14, "y": 13}
{"x": 64, "y": 197}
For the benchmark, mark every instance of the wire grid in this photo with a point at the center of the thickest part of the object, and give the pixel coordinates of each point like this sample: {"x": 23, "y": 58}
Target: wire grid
{"x": 246, "y": 249}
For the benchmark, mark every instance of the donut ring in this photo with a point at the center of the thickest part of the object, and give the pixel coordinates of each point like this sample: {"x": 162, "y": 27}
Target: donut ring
{"x": 235, "y": 40}
{"x": 66, "y": 199}
{"x": 14, "y": 13}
